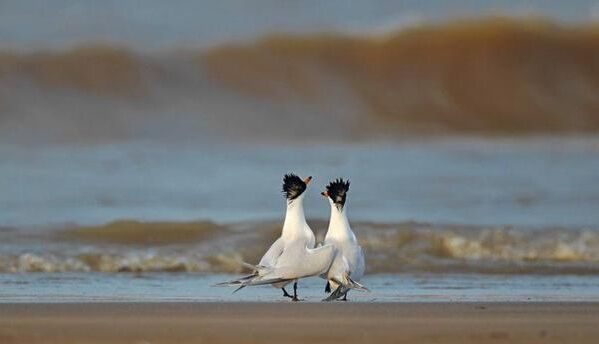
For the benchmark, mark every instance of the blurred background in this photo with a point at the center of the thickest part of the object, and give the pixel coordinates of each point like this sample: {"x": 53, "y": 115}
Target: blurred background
{"x": 294, "y": 71}
{"x": 152, "y": 136}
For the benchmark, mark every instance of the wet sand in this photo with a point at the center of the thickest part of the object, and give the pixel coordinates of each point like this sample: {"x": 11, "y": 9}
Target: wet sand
{"x": 299, "y": 323}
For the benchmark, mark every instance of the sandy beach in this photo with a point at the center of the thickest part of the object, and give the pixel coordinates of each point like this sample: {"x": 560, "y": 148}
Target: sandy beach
{"x": 299, "y": 323}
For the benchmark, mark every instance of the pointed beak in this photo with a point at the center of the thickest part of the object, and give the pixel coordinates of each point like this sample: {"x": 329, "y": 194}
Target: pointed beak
{"x": 308, "y": 180}
{"x": 325, "y": 194}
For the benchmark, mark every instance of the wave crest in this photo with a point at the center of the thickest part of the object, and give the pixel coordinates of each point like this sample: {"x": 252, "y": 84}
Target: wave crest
{"x": 205, "y": 247}
{"x": 489, "y": 250}
{"x": 492, "y": 75}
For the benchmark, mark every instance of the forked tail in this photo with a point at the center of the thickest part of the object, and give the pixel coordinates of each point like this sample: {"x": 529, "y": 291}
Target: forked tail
{"x": 242, "y": 280}
{"x": 355, "y": 285}
{"x": 258, "y": 277}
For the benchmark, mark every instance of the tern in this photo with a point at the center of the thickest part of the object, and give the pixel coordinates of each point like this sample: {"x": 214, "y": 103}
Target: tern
{"x": 348, "y": 265}
{"x": 292, "y": 256}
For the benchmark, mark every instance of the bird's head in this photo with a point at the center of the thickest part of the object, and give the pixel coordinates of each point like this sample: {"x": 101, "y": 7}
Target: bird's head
{"x": 336, "y": 192}
{"x": 294, "y": 186}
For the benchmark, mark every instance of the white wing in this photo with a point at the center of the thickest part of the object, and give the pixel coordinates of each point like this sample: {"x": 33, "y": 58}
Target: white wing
{"x": 355, "y": 260}
{"x": 297, "y": 261}
{"x": 273, "y": 253}
{"x": 276, "y": 249}
{"x": 357, "y": 271}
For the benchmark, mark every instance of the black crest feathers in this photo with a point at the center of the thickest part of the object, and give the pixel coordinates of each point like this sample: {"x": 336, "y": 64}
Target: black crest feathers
{"x": 293, "y": 186}
{"x": 337, "y": 190}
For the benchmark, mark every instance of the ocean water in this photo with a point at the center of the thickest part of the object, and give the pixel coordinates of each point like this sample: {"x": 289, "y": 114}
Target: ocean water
{"x": 454, "y": 206}
{"x": 522, "y": 182}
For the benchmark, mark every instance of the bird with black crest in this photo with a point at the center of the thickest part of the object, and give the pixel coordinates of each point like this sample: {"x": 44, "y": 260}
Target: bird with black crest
{"x": 347, "y": 267}
{"x": 292, "y": 256}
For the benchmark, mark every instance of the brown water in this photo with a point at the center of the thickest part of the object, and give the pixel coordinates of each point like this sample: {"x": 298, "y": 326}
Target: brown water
{"x": 131, "y": 246}
{"x": 491, "y": 75}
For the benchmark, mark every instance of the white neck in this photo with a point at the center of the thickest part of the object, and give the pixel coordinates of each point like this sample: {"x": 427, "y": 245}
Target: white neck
{"x": 295, "y": 219}
{"x": 339, "y": 225}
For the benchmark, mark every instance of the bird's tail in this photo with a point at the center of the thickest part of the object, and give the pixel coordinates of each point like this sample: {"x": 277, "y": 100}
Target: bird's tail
{"x": 236, "y": 282}
{"x": 255, "y": 271}
{"x": 355, "y": 285}
{"x": 258, "y": 277}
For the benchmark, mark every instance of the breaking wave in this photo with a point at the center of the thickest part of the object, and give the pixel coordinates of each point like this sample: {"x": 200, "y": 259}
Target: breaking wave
{"x": 496, "y": 75}
{"x": 207, "y": 247}
{"x": 490, "y": 75}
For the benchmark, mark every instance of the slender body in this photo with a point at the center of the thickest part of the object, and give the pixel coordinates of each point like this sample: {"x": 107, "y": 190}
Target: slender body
{"x": 348, "y": 265}
{"x": 292, "y": 256}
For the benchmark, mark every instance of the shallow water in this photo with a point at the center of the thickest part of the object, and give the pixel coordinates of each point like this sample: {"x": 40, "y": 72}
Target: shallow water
{"x": 156, "y": 287}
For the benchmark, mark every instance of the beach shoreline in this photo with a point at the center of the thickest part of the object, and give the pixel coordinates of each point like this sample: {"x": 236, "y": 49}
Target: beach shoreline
{"x": 255, "y": 322}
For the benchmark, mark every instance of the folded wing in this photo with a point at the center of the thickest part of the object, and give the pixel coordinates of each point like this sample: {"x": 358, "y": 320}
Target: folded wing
{"x": 295, "y": 262}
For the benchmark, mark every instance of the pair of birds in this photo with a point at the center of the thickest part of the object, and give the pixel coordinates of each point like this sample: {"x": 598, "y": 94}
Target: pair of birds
{"x": 293, "y": 255}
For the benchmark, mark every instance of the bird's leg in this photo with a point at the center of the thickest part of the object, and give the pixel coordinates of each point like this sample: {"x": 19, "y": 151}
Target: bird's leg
{"x": 286, "y": 294}
{"x": 295, "y": 292}
{"x": 345, "y": 296}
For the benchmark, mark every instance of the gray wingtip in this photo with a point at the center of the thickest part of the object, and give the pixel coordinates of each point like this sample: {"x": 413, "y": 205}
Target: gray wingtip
{"x": 357, "y": 286}
{"x": 226, "y": 284}
{"x": 238, "y": 289}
